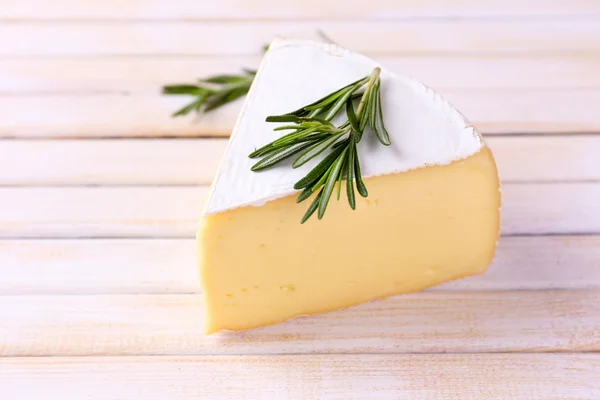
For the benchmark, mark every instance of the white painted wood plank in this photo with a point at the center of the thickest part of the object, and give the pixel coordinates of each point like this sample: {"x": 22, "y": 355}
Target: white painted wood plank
{"x": 111, "y": 162}
{"x": 498, "y": 36}
{"x": 492, "y": 111}
{"x": 145, "y": 75}
{"x": 430, "y": 322}
{"x": 101, "y": 212}
{"x": 550, "y": 208}
{"x": 546, "y": 158}
{"x": 195, "y": 161}
{"x": 536, "y": 208}
{"x": 343, "y": 377}
{"x": 160, "y": 266}
{"x": 106, "y": 266}
{"x": 108, "y": 116}
{"x": 263, "y": 9}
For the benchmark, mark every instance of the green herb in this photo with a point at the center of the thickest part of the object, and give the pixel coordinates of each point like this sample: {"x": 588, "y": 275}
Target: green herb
{"x": 212, "y": 92}
{"x": 312, "y": 133}
{"x": 215, "y": 91}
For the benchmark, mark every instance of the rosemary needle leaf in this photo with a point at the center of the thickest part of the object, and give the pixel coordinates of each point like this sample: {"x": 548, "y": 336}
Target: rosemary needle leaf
{"x": 316, "y": 121}
{"x": 318, "y": 106}
{"x": 382, "y": 133}
{"x": 200, "y": 102}
{"x": 279, "y": 156}
{"x": 319, "y": 183}
{"x": 316, "y": 149}
{"x": 312, "y": 208}
{"x": 192, "y": 90}
{"x": 350, "y": 174}
{"x": 337, "y": 106}
{"x": 305, "y": 194}
{"x": 262, "y": 151}
{"x": 188, "y": 108}
{"x": 322, "y": 179}
{"x": 372, "y": 115}
{"x": 286, "y": 127}
{"x": 272, "y": 147}
{"x": 352, "y": 115}
{"x": 319, "y": 170}
{"x": 216, "y": 101}
{"x": 301, "y": 112}
{"x": 236, "y": 93}
{"x": 314, "y": 113}
{"x": 330, "y": 98}
{"x": 360, "y": 186}
{"x": 330, "y": 183}
{"x": 366, "y": 112}
{"x": 225, "y": 79}
{"x": 327, "y": 100}
{"x": 357, "y": 95}
{"x": 268, "y": 150}
{"x": 283, "y": 118}
{"x": 341, "y": 175}
{"x": 291, "y": 137}
{"x": 224, "y": 97}
{"x": 340, "y": 143}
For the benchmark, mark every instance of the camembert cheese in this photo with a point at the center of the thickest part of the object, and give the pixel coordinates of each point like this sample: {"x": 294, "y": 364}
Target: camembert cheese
{"x": 432, "y": 213}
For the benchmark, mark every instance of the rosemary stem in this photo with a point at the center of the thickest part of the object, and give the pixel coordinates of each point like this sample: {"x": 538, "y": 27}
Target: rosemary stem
{"x": 372, "y": 79}
{"x": 313, "y": 133}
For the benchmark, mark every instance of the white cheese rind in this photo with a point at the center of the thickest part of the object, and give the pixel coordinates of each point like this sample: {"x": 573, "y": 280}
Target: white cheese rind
{"x": 424, "y": 128}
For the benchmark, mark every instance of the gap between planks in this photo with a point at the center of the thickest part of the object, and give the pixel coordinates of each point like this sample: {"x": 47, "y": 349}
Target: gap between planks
{"x": 532, "y": 208}
{"x": 146, "y": 75}
{"x": 246, "y": 38}
{"x": 175, "y": 162}
{"x": 328, "y": 377}
{"x": 169, "y": 266}
{"x": 185, "y": 10}
{"x": 426, "y": 322}
{"x": 491, "y": 111}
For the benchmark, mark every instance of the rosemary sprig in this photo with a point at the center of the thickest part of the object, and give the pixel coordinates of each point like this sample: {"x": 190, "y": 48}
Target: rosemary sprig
{"x": 222, "y": 89}
{"x": 312, "y": 133}
{"x": 212, "y": 92}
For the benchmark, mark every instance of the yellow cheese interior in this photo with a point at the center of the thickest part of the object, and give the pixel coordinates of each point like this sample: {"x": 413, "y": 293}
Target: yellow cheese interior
{"x": 416, "y": 229}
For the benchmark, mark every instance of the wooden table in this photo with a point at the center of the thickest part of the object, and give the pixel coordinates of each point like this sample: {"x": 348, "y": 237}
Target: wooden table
{"x": 100, "y": 191}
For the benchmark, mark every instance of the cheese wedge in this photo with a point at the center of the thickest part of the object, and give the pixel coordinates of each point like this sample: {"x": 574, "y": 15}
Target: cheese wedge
{"x": 432, "y": 213}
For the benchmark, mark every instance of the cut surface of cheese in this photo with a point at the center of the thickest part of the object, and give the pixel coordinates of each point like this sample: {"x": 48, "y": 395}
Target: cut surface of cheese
{"x": 432, "y": 213}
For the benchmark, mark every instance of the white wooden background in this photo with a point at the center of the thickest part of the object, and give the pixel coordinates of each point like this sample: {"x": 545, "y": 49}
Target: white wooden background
{"x": 100, "y": 191}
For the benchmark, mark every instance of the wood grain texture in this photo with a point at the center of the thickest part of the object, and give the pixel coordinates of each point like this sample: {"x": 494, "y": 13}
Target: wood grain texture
{"x": 313, "y": 9}
{"x": 102, "y": 266}
{"x": 163, "y": 266}
{"x": 195, "y": 161}
{"x": 93, "y": 69}
{"x": 475, "y": 37}
{"x": 111, "y": 162}
{"x": 428, "y": 322}
{"x": 492, "y": 111}
{"x": 145, "y": 75}
{"x": 343, "y": 377}
{"x": 101, "y": 212}
{"x": 536, "y": 208}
